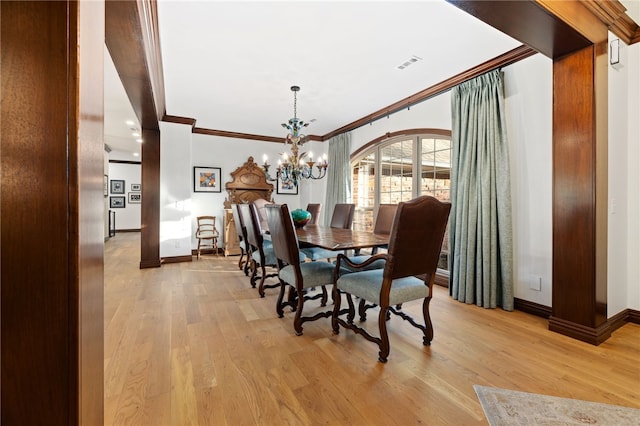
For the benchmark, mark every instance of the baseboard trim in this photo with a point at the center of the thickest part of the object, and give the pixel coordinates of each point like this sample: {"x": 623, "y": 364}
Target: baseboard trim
{"x": 177, "y": 259}
{"x": 150, "y": 264}
{"x": 532, "y": 308}
{"x": 634, "y": 316}
{"x": 127, "y": 230}
{"x": 592, "y": 335}
{"x": 596, "y": 335}
{"x": 194, "y": 252}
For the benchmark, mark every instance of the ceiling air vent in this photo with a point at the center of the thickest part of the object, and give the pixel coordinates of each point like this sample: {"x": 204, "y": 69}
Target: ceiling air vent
{"x": 412, "y": 60}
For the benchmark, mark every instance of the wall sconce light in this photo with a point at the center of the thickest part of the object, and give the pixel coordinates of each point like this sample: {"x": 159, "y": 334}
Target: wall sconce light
{"x": 614, "y": 51}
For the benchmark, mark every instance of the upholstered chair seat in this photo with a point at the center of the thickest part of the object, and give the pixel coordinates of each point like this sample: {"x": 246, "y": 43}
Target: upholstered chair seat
{"x": 368, "y": 285}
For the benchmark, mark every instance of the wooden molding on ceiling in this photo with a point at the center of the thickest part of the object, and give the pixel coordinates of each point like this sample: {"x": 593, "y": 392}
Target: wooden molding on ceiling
{"x": 180, "y": 120}
{"x": 503, "y": 60}
{"x": 613, "y": 14}
{"x": 151, "y": 39}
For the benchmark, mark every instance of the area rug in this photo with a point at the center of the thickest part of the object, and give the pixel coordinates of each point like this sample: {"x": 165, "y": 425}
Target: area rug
{"x": 507, "y": 407}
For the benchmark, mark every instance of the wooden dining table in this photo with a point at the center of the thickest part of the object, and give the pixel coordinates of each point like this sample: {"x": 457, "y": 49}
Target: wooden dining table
{"x": 338, "y": 238}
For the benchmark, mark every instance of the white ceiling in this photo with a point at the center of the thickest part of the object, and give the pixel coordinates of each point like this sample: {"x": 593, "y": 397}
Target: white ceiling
{"x": 230, "y": 64}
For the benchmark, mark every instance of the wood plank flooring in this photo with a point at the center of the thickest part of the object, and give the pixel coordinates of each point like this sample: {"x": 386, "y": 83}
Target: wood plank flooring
{"x": 194, "y": 344}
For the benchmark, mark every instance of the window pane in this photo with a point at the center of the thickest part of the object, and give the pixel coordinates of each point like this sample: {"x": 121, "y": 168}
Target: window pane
{"x": 399, "y": 163}
{"x": 396, "y": 180}
{"x": 363, "y": 175}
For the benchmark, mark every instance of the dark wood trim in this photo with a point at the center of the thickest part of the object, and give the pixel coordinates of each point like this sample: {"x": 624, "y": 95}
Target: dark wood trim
{"x": 125, "y": 39}
{"x": 150, "y": 208}
{"x": 177, "y": 259}
{"x": 237, "y": 135}
{"x": 592, "y": 335}
{"x": 389, "y": 135}
{"x": 125, "y": 162}
{"x": 534, "y": 25}
{"x": 574, "y": 269}
{"x": 532, "y": 308}
{"x": 127, "y": 230}
{"x": 613, "y": 14}
{"x": 131, "y": 36}
{"x": 51, "y": 313}
{"x": 179, "y": 120}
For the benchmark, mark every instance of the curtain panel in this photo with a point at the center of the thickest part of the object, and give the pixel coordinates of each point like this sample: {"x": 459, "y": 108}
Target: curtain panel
{"x": 480, "y": 234}
{"x": 338, "y": 173}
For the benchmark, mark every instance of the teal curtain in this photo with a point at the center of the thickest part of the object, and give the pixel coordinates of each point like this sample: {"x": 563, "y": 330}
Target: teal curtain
{"x": 338, "y": 174}
{"x": 480, "y": 234}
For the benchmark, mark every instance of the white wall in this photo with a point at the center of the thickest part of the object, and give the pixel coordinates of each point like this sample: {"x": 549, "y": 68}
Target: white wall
{"x": 231, "y": 153}
{"x": 128, "y": 217}
{"x": 633, "y": 187}
{"x": 434, "y": 113}
{"x": 623, "y": 282}
{"x": 528, "y": 102}
{"x": 175, "y": 190}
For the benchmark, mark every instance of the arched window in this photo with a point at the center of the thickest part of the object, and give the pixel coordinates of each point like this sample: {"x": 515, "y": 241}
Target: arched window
{"x": 399, "y": 167}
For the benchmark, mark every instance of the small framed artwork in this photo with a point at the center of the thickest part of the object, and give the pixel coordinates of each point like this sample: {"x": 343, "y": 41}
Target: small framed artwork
{"x": 116, "y": 202}
{"x": 106, "y": 185}
{"x": 286, "y": 187}
{"x": 136, "y": 187}
{"x": 207, "y": 179}
{"x": 135, "y": 197}
{"x": 117, "y": 186}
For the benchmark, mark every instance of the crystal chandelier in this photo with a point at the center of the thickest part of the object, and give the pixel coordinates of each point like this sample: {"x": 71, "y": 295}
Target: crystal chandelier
{"x": 296, "y": 166}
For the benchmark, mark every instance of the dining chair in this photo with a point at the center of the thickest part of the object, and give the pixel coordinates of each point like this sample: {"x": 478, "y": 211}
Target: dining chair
{"x": 414, "y": 249}
{"x": 314, "y": 209}
{"x": 243, "y": 262}
{"x": 259, "y": 250}
{"x": 262, "y": 218}
{"x": 206, "y": 234}
{"x": 384, "y": 221}
{"x": 299, "y": 276}
{"x": 342, "y": 217}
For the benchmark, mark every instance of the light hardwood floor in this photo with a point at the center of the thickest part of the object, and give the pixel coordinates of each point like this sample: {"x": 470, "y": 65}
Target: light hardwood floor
{"x": 194, "y": 344}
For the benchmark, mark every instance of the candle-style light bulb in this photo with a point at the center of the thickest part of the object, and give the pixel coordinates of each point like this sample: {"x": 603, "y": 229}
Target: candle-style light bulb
{"x": 310, "y": 155}
{"x": 264, "y": 159}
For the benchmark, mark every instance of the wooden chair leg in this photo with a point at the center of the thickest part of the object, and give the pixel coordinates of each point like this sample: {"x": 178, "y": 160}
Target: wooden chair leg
{"x": 279, "y": 305}
{"x": 352, "y": 310}
{"x": 335, "y": 294}
{"x": 297, "y": 322}
{"x": 428, "y": 332}
{"x": 384, "y": 336}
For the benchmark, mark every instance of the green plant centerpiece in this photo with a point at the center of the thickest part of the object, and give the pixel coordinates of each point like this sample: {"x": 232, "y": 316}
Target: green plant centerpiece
{"x": 300, "y": 217}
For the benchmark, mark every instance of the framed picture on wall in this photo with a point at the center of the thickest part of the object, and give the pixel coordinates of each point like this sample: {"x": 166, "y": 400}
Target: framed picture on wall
{"x": 116, "y": 202}
{"x": 207, "y": 179}
{"x": 286, "y": 187}
{"x": 117, "y": 186}
{"x": 136, "y": 187}
{"x": 135, "y": 197}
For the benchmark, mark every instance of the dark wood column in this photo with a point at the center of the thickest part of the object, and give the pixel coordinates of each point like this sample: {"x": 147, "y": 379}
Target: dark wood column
{"x": 580, "y": 195}
{"x": 150, "y": 214}
{"x": 52, "y": 217}
{"x": 131, "y": 36}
